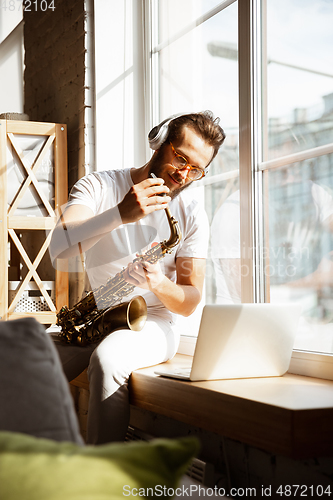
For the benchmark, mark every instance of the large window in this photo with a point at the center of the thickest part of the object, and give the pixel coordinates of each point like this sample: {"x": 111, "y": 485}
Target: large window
{"x": 297, "y": 154}
{"x": 272, "y": 86}
{"x": 195, "y": 65}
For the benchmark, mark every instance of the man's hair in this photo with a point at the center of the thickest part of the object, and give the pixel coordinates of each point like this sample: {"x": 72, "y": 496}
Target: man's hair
{"x": 203, "y": 124}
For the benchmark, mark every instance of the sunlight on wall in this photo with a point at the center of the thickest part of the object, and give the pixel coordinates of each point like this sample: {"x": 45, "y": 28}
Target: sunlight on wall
{"x": 11, "y": 62}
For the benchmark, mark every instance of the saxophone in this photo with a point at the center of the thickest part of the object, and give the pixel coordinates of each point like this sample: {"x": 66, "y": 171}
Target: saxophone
{"x": 101, "y": 310}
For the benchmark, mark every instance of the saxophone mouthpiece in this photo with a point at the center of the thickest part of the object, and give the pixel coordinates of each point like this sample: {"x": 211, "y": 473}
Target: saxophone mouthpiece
{"x": 155, "y": 177}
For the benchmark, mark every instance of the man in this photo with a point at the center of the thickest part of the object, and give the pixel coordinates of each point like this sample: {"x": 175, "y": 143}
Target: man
{"x": 111, "y": 217}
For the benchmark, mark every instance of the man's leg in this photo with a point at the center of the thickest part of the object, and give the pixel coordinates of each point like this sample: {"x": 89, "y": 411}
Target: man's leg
{"x": 111, "y": 364}
{"x": 74, "y": 359}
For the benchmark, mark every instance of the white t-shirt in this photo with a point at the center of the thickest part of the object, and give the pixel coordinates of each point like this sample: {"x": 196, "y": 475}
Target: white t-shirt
{"x": 101, "y": 191}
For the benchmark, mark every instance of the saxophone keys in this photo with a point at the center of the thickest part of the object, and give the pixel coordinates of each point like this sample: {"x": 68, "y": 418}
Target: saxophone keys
{"x": 81, "y": 341}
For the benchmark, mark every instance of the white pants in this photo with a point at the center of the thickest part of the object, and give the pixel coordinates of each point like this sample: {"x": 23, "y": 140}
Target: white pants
{"x": 110, "y": 364}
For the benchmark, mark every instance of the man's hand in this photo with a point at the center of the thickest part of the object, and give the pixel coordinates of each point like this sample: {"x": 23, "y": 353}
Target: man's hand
{"x": 144, "y": 198}
{"x": 181, "y": 297}
{"x": 143, "y": 274}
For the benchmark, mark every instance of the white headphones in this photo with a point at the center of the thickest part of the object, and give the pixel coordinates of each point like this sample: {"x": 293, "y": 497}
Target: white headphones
{"x": 158, "y": 134}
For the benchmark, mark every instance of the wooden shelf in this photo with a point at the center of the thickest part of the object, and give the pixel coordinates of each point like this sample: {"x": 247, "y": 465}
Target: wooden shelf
{"x": 44, "y": 317}
{"x": 31, "y": 222}
{"x": 32, "y": 155}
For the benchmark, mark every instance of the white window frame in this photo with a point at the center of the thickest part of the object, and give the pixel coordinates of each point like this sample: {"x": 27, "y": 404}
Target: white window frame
{"x": 6, "y": 46}
{"x": 251, "y": 62}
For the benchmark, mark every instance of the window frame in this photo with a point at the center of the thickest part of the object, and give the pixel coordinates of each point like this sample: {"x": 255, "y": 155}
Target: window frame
{"x": 252, "y": 142}
{"x": 5, "y": 49}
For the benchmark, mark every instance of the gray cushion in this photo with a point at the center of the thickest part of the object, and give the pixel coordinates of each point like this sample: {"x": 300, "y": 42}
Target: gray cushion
{"x": 34, "y": 393}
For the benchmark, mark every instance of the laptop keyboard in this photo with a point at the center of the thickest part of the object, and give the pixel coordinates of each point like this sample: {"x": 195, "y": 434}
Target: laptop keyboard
{"x": 184, "y": 371}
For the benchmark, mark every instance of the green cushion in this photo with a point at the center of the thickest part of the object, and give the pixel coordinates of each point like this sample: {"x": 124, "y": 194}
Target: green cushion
{"x": 40, "y": 469}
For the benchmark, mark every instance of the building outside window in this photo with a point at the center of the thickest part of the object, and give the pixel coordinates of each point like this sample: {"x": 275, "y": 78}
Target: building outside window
{"x": 195, "y": 66}
{"x": 297, "y": 195}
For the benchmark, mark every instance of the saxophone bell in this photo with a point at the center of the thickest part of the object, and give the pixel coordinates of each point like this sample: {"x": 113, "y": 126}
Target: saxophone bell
{"x": 131, "y": 315}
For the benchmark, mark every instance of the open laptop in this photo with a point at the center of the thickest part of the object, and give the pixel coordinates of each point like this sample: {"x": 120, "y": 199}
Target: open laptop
{"x": 241, "y": 341}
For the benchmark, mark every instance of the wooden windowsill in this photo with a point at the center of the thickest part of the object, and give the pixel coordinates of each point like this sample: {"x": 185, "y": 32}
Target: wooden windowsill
{"x": 290, "y": 415}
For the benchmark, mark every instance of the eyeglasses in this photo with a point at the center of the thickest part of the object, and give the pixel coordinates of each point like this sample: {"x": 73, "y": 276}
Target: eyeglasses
{"x": 179, "y": 162}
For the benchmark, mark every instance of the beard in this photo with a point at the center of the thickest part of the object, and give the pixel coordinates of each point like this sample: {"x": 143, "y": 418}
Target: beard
{"x": 157, "y": 167}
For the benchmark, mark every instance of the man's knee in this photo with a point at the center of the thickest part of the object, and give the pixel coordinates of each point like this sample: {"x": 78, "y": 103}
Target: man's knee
{"x": 108, "y": 366}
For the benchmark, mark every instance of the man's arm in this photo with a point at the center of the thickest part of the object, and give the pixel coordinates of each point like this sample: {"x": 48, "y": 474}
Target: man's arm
{"x": 181, "y": 297}
{"x": 78, "y": 229}
{"x": 184, "y": 296}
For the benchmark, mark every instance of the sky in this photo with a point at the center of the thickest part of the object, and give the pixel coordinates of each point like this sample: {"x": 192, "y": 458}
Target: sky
{"x": 299, "y": 32}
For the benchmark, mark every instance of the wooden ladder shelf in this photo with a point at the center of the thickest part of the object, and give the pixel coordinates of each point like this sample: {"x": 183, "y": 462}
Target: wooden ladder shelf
{"x": 26, "y": 231}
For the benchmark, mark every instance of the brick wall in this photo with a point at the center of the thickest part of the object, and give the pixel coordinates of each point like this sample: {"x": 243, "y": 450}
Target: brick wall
{"x": 55, "y": 73}
{"x": 54, "y": 80}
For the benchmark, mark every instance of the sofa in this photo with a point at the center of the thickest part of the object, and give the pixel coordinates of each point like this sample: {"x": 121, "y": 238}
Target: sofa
{"x": 42, "y": 454}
